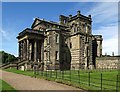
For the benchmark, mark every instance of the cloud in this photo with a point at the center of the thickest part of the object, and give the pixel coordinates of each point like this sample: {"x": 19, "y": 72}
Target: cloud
{"x": 4, "y": 34}
{"x": 110, "y": 45}
{"x": 105, "y": 23}
{"x": 33, "y": 19}
{"x": 110, "y": 38}
{"x": 104, "y": 12}
{"x": 8, "y": 41}
{"x": 107, "y": 31}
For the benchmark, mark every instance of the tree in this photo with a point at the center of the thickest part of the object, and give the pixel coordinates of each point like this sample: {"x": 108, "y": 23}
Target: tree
{"x": 6, "y": 57}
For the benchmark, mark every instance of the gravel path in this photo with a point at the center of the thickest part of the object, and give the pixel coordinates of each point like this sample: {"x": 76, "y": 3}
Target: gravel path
{"x": 22, "y": 82}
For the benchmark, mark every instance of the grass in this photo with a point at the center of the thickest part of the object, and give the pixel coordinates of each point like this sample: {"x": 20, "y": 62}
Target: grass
{"x": 28, "y": 73}
{"x": 5, "y": 87}
{"x": 88, "y": 80}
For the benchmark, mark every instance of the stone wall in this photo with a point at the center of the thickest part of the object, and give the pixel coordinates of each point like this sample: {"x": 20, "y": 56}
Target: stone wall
{"x": 111, "y": 62}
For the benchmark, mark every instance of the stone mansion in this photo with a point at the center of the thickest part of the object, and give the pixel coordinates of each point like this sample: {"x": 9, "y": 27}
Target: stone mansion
{"x": 67, "y": 44}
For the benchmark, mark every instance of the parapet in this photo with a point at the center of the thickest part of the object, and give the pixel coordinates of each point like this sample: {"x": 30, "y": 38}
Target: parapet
{"x": 98, "y": 37}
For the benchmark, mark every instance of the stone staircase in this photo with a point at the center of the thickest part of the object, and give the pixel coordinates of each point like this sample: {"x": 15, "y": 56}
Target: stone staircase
{"x": 13, "y": 64}
{"x": 8, "y": 65}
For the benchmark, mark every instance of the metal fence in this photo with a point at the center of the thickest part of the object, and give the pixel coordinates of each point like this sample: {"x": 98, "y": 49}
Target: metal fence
{"x": 100, "y": 81}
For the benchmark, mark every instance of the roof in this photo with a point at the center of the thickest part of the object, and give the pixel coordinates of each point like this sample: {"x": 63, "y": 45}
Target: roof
{"x": 81, "y": 16}
{"x": 57, "y": 29}
{"x": 50, "y": 22}
{"x": 30, "y": 31}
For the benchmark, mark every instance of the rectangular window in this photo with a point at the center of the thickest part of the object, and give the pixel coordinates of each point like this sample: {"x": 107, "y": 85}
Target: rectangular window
{"x": 56, "y": 55}
{"x": 57, "y": 38}
{"x": 70, "y": 45}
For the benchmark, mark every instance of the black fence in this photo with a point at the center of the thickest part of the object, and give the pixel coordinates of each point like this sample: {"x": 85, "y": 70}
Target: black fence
{"x": 91, "y": 79}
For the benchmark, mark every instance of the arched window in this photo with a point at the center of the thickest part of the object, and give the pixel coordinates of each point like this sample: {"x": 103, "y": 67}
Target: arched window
{"x": 74, "y": 29}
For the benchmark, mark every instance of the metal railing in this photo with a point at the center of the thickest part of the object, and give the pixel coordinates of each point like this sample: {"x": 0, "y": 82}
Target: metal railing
{"x": 87, "y": 78}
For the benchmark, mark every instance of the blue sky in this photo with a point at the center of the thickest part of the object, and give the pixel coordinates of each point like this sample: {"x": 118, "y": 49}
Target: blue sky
{"x": 18, "y": 16}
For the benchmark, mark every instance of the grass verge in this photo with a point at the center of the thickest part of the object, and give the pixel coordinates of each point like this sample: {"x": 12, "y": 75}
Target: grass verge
{"x": 5, "y": 87}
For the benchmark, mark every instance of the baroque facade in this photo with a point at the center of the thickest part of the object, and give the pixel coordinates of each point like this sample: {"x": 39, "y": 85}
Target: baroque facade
{"x": 68, "y": 44}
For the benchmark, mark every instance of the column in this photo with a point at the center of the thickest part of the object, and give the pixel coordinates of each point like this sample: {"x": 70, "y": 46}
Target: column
{"x": 35, "y": 51}
{"x": 26, "y": 58}
{"x": 19, "y": 50}
{"x": 42, "y": 51}
{"x": 39, "y": 51}
{"x": 30, "y": 51}
{"x": 42, "y": 54}
{"x": 27, "y": 49}
{"x": 24, "y": 51}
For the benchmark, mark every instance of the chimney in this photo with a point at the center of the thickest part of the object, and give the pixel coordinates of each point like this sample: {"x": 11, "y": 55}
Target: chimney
{"x": 78, "y": 13}
{"x": 61, "y": 19}
{"x": 89, "y": 16}
{"x": 70, "y": 16}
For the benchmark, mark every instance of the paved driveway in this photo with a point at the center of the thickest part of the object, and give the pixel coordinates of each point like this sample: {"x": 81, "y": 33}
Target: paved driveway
{"x": 22, "y": 82}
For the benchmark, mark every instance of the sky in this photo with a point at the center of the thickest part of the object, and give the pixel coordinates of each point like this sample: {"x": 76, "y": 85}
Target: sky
{"x": 20, "y": 15}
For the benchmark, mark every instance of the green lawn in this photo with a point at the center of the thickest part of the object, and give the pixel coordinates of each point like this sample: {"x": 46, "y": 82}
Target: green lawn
{"x": 5, "y": 87}
{"x": 90, "y": 80}
{"x": 28, "y": 73}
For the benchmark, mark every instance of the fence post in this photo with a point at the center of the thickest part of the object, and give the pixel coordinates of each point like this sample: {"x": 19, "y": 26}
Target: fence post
{"x": 117, "y": 84}
{"x": 60, "y": 75}
{"x": 79, "y": 75}
{"x": 70, "y": 75}
{"x": 50, "y": 73}
{"x": 41, "y": 72}
{"x": 89, "y": 78}
{"x": 56, "y": 74}
{"x": 101, "y": 81}
{"x": 63, "y": 75}
{"x": 46, "y": 73}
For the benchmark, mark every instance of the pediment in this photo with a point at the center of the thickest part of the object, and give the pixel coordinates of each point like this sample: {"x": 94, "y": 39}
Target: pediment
{"x": 35, "y": 23}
